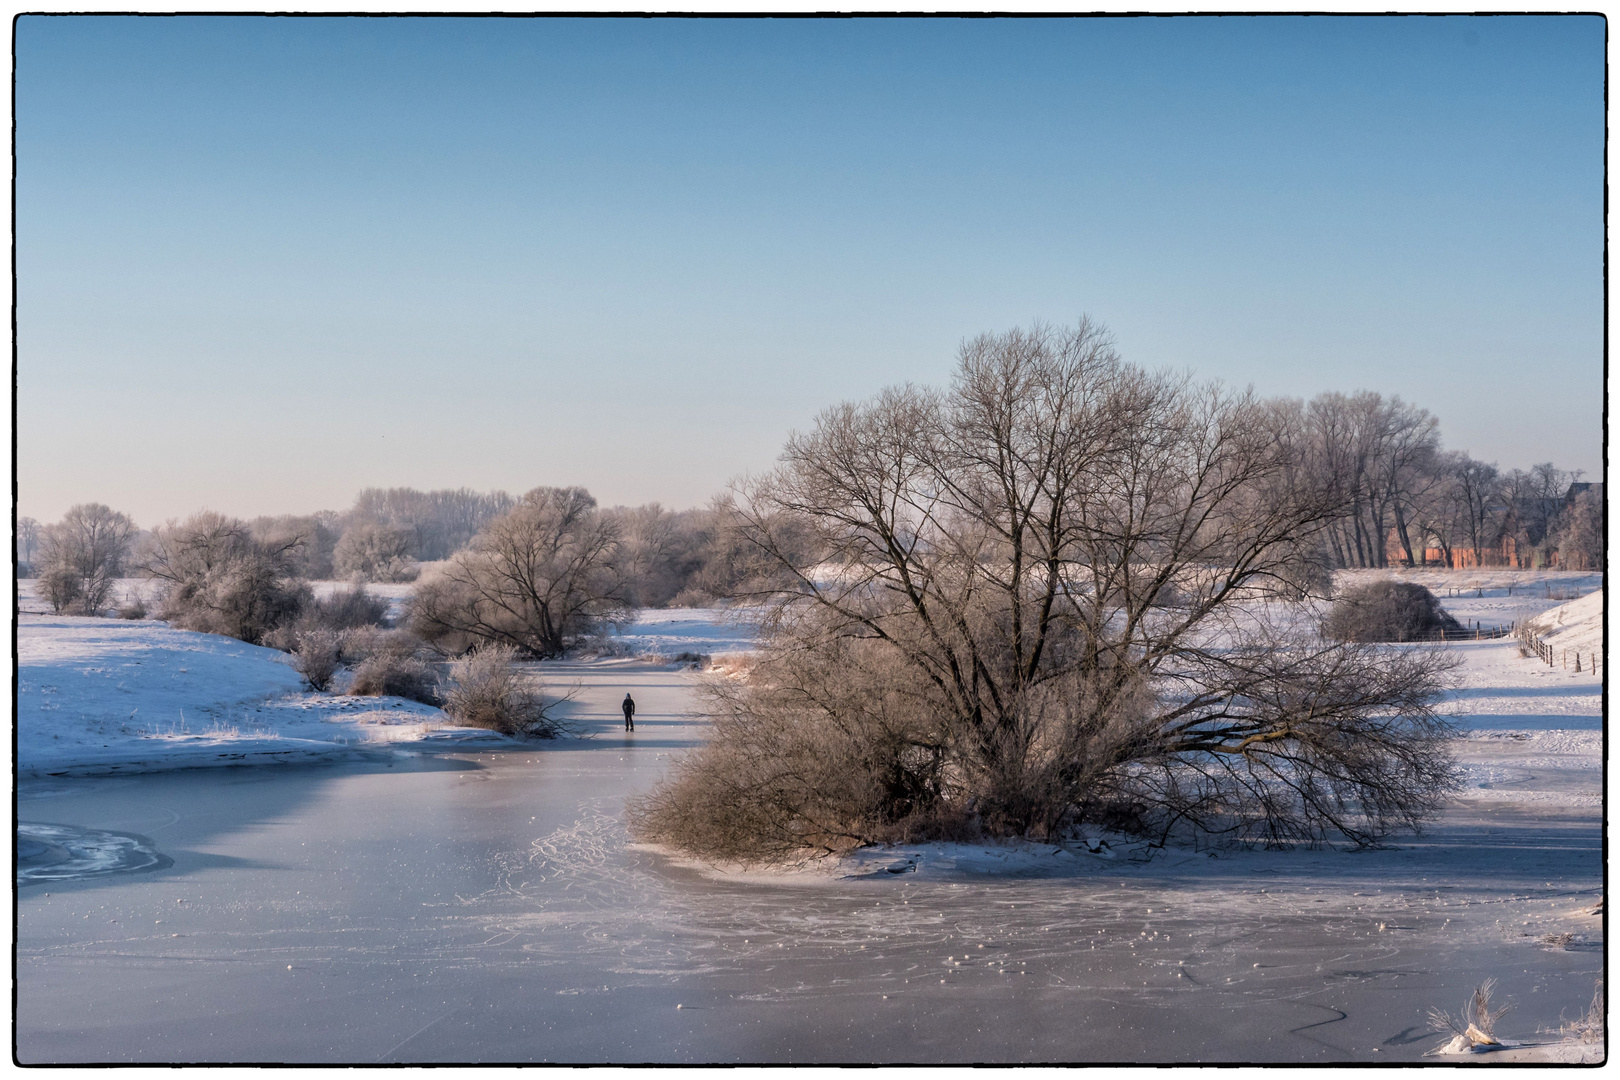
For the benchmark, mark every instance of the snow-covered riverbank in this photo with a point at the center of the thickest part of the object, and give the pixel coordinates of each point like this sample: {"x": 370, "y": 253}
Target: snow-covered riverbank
{"x": 108, "y": 696}
{"x": 105, "y": 696}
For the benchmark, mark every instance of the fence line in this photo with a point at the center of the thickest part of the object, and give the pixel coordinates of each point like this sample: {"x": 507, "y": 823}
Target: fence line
{"x": 1552, "y": 656}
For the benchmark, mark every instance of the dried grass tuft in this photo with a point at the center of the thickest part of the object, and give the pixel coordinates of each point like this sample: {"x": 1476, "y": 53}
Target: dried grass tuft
{"x": 1590, "y": 1027}
{"x": 1475, "y": 1025}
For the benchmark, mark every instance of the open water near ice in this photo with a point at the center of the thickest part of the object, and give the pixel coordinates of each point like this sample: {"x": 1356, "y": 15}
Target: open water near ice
{"x": 490, "y": 907}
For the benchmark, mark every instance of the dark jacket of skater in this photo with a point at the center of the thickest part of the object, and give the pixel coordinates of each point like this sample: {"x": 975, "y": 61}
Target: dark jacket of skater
{"x": 629, "y": 708}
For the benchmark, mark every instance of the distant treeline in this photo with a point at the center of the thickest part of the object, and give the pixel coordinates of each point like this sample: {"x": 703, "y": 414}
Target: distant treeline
{"x": 1406, "y": 501}
{"x": 662, "y": 557}
{"x": 1412, "y": 503}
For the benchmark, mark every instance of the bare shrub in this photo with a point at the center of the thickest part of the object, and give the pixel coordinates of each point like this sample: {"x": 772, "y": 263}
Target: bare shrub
{"x": 219, "y": 579}
{"x": 803, "y": 758}
{"x": 82, "y": 556}
{"x": 539, "y": 578}
{"x": 133, "y": 606}
{"x": 316, "y": 657}
{"x": 487, "y": 689}
{"x": 346, "y": 609}
{"x": 63, "y": 590}
{"x": 1054, "y": 595}
{"x": 1475, "y": 1023}
{"x": 1393, "y": 611}
{"x": 361, "y": 642}
{"x": 394, "y": 672}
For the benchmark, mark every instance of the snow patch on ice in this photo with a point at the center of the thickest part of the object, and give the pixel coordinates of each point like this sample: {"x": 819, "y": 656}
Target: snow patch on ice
{"x": 67, "y": 853}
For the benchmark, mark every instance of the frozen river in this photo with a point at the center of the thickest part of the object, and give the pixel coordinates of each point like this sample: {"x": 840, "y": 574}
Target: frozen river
{"x": 488, "y": 906}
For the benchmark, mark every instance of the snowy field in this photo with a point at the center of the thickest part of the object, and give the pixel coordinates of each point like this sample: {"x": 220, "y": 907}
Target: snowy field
{"x": 485, "y": 903}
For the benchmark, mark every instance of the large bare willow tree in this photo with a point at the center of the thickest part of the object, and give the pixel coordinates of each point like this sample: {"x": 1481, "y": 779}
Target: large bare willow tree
{"x": 1063, "y": 591}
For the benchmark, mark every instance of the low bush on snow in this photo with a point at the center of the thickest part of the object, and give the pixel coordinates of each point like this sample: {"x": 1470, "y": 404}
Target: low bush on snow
{"x": 1388, "y": 611}
{"x": 347, "y": 609}
{"x": 344, "y": 611}
{"x": 395, "y": 674}
{"x": 316, "y": 657}
{"x": 487, "y": 689}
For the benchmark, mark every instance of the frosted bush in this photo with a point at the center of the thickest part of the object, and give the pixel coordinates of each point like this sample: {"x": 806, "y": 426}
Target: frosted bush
{"x": 487, "y": 689}
{"x": 315, "y": 657}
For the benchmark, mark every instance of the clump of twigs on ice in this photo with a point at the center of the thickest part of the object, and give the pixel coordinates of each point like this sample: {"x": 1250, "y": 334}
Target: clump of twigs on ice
{"x": 1474, "y": 1027}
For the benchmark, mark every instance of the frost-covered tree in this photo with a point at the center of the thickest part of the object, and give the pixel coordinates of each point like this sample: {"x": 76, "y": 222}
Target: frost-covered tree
{"x": 1479, "y": 490}
{"x": 220, "y": 579}
{"x": 1382, "y": 453}
{"x": 439, "y": 522}
{"x": 1580, "y": 532}
{"x": 27, "y": 539}
{"x": 309, "y": 540}
{"x": 1533, "y": 500}
{"x": 82, "y": 556}
{"x": 538, "y": 578}
{"x": 375, "y": 551}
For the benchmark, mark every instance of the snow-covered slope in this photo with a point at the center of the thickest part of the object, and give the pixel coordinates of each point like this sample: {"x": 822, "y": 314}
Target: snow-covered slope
{"x": 1574, "y": 627}
{"x": 108, "y": 695}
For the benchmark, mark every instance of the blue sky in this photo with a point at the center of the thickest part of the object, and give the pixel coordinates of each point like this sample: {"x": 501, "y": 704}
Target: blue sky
{"x": 263, "y": 263}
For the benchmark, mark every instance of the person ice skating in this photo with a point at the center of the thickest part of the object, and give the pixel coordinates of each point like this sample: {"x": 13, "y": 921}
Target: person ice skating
{"x": 629, "y": 708}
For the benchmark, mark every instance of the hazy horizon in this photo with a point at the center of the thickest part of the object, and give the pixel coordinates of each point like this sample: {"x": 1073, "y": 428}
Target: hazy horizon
{"x": 263, "y": 264}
